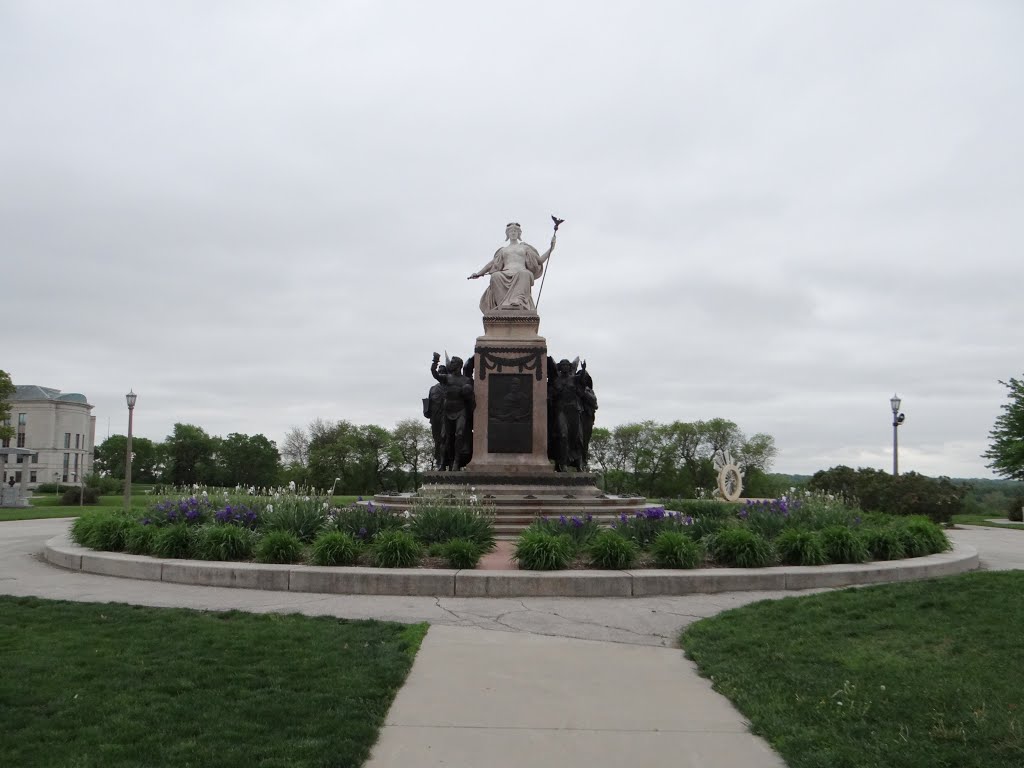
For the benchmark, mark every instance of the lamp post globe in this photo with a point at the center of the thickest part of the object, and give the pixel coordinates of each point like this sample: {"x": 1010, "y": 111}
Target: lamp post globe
{"x": 130, "y": 398}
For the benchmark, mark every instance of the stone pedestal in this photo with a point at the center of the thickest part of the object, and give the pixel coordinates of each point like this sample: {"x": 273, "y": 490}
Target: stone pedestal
{"x": 510, "y": 422}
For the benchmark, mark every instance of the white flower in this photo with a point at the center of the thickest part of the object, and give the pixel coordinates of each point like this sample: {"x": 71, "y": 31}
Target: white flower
{"x": 291, "y": 486}
{"x": 407, "y": 514}
{"x": 325, "y": 505}
{"x": 473, "y": 499}
{"x": 270, "y": 507}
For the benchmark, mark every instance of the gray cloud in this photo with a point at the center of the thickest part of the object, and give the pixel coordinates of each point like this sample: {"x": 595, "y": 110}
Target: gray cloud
{"x": 257, "y": 214}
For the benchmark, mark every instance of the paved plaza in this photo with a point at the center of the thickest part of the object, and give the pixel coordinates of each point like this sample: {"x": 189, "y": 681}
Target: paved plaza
{"x": 594, "y": 681}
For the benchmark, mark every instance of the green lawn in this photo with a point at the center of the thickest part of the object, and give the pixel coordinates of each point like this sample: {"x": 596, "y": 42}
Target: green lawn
{"x": 113, "y": 685}
{"x": 914, "y": 675}
{"x": 983, "y": 520}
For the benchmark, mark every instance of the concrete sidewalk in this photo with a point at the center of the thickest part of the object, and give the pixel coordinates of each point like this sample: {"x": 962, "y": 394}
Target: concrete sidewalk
{"x": 479, "y": 698}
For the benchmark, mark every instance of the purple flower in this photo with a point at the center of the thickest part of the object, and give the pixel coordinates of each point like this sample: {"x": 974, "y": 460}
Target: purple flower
{"x": 145, "y": 521}
{"x": 362, "y": 533}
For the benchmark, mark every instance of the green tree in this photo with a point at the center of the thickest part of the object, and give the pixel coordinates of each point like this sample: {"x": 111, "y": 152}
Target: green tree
{"x": 415, "y": 447}
{"x": 146, "y": 460}
{"x": 1006, "y": 451}
{"x": 191, "y": 455}
{"x": 6, "y": 391}
{"x": 333, "y": 453}
{"x": 247, "y": 460}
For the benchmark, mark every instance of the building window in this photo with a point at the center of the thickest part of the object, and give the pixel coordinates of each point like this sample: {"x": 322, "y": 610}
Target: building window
{"x": 76, "y": 464}
{"x": 35, "y": 458}
{"x": 17, "y": 477}
{"x": 21, "y": 439}
{"x": 67, "y": 439}
{"x": 77, "y": 436}
{"x": 32, "y": 476}
{"x": 7, "y": 442}
{"x": 21, "y": 419}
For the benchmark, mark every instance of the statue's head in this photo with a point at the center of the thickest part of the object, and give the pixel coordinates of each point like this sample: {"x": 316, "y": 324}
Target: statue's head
{"x": 513, "y": 231}
{"x": 564, "y": 367}
{"x": 455, "y": 365}
{"x": 442, "y": 369}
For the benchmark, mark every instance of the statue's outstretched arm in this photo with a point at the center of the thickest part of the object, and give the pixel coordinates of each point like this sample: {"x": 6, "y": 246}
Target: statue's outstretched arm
{"x": 486, "y": 269}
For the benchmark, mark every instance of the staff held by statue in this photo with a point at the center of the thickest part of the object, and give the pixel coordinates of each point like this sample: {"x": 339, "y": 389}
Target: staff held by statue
{"x": 540, "y": 291}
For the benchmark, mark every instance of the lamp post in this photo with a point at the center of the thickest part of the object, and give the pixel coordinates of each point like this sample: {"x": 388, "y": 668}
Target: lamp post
{"x": 130, "y": 397}
{"x": 897, "y": 419}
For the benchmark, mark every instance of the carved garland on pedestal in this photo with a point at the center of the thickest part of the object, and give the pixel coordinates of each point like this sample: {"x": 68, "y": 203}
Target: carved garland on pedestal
{"x": 530, "y": 359}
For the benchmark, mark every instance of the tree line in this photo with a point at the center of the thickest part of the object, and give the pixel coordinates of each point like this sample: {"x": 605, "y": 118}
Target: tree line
{"x": 647, "y": 458}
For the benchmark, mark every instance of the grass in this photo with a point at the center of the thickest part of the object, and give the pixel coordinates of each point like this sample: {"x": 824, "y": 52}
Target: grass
{"x": 983, "y": 520}
{"x": 912, "y": 675}
{"x": 119, "y": 686}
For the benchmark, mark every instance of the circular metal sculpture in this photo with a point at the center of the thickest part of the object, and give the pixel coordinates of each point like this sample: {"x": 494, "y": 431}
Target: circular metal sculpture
{"x": 730, "y": 476}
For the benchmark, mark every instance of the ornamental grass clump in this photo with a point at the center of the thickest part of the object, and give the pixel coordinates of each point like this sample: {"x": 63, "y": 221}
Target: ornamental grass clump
{"x": 101, "y": 530}
{"x": 439, "y": 524}
{"x": 741, "y": 548}
{"x": 302, "y": 516}
{"x": 883, "y": 543}
{"x": 139, "y": 539}
{"x": 920, "y": 536}
{"x": 643, "y": 526}
{"x": 799, "y": 547}
{"x": 578, "y": 529}
{"x": 843, "y": 545}
{"x": 674, "y": 549}
{"x": 334, "y": 548}
{"x": 767, "y": 518}
{"x": 607, "y": 549}
{"x": 396, "y": 549}
{"x": 366, "y": 521}
{"x": 279, "y": 547}
{"x": 461, "y": 553}
{"x": 223, "y": 542}
{"x": 542, "y": 550}
{"x": 173, "y": 541}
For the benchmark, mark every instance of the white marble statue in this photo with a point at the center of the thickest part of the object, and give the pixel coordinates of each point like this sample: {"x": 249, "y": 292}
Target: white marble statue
{"x": 512, "y": 270}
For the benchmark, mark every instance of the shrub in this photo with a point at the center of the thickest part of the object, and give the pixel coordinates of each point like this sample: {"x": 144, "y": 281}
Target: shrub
{"x": 706, "y": 508}
{"x": 139, "y": 539}
{"x": 674, "y": 549}
{"x": 542, "y": 550}
{"x": 1015, "y": 509}
{"x": 71, "y": 496}
{"x": 173, "y": 541}
{"x": 741, "y": 548}
{"x": 223, "y": 542}
{"x": 800, "y": 547}
{"x": 295, "y": 515}
{"x": 920, "y": 536}
{"x": 365, "y": 521}
{"x": 396, "y": 549}
{"x": 607, "y": 549}
{"x": 193, "y": 510}
{"x": 842, "y": 545}
{"x": 279, "y": 547}
{"x": 461, "y": 553}
{"x": 436, "y": 524}
{"x": 334, "y": 548}
{"x": 578, "y": 529}
{"x": 906, "y": 494}
{"x": 883, "y": 543}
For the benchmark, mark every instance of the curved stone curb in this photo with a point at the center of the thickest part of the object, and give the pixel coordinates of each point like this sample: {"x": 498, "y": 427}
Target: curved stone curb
{"x": 438, "y": 582}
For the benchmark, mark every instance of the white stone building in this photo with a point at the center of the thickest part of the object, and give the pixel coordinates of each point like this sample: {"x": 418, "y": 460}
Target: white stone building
{"x": 58, "y": 428}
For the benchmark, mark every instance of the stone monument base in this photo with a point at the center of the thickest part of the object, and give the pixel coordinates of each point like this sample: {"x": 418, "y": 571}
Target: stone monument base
{"x": 516, "y": 500}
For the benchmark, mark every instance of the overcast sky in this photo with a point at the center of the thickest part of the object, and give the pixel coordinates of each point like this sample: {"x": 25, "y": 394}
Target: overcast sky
{"x": 780, "y": 213}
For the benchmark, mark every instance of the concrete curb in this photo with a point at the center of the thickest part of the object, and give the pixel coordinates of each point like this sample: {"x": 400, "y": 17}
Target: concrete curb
{"x": 437, "y": 582}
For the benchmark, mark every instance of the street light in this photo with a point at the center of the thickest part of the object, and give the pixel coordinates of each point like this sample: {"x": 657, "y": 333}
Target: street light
{"x": 131, "y": 398}
{"x": 897, "y": 419}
